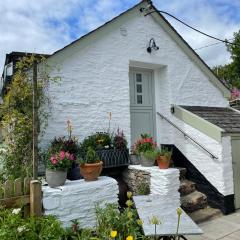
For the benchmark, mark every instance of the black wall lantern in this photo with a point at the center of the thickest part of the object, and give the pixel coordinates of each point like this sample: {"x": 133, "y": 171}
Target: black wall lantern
{"x": 152, "y": 45}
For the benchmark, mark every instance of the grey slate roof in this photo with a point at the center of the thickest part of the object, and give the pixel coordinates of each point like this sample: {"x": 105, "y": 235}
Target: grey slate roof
{"x": 225, "y": 118}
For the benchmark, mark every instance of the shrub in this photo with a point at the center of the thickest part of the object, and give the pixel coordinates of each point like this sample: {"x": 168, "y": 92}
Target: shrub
{"x": 119, "y": 140}
{"x": 144, "y": 144}
{"x": 14, "y": 227}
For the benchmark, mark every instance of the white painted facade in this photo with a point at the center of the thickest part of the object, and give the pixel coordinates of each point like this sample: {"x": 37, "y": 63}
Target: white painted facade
{"x": 95, "y": 81}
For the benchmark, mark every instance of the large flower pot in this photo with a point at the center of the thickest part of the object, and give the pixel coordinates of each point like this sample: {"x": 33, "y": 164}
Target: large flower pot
{"x": 56, "y": 178}
{"x": 134, "y": 159}
{"x": 74, "y": 172}
{"x": 145, "y": 162}
{"x": 163, "y": 162}
{"x": 91, "y": 172}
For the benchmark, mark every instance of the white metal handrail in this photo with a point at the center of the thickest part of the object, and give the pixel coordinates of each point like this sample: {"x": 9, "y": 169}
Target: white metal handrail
{"x": 187, "y": 136}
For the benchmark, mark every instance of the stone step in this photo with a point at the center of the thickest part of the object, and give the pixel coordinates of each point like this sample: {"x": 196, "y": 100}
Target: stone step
{"x": 194, "y": 201}
{"x": 205, "y": 214}
{"x": 186, "y": 187}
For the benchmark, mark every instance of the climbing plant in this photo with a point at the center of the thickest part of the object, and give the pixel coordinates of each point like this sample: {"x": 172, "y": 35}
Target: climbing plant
{"x": 17, "y": 114}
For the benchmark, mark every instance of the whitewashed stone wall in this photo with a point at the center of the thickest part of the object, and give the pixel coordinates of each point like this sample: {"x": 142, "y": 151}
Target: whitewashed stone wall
{"x": 76, "y": 200}
{"x": 164, "y": 182}
{"x": 95, "y": 82}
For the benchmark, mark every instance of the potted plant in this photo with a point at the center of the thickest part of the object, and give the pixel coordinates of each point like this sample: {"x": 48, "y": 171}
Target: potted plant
{"x": 146, "y": 150}
{"x": 111, "y": 148}
{"x": 57, "y": 166}
{"x": 90, "y": 165}
{"x": 163, "y": 158}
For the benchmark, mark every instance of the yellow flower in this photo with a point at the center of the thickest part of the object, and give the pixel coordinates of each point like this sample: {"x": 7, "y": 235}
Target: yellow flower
{"x": 129, "y": 195}
{"x": 113, "y": 234}
{"x": 129, "y": 214}
{"x": 139, "y": 222}
{"x": 179, "y": 211}
{"x": 155, "y": 221}
{"x": 129, "y": 203}
{"x": 129, "y": 237}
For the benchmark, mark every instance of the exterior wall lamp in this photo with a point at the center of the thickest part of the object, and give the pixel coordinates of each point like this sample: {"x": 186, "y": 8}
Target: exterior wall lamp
{"x": 152, "y": 45}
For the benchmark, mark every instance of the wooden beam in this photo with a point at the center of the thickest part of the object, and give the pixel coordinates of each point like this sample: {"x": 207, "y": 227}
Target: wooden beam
{"x": 35, "y": 122}
{"x": 35, "y": 198}
{"x": 15, "y": 201}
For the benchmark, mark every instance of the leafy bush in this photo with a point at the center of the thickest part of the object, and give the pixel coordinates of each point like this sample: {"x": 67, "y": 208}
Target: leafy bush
{"x": 64, "y": 144}
{"x": 119, "y": 140}
{"x": 18, "y": 118}
{"x": 151, "y": 154}
{"x": 14, "y": 227}
{"x": 144, "y": 144}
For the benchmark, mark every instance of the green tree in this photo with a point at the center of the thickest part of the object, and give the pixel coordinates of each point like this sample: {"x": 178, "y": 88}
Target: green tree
{"x": 231, "y": 72}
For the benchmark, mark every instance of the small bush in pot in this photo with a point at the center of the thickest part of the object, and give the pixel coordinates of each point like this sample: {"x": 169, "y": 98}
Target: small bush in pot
{"x": 90, "y": 165}
{"x": 146, "y": 150}
{"x": 57, "y": 167}
{"x": 164, "y": 158}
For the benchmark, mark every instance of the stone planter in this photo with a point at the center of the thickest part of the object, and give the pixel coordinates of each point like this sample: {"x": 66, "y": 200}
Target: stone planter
{"x": 91, "y": 172}
{"x": 145, "y": 162}
{"x": 163, "y": 162}
{"x": 114, "y": 157}
{"x": 56, "y": 178}
{"x": 134, "y": 159}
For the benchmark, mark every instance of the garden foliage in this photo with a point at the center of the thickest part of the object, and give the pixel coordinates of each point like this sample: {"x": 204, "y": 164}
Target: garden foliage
{"x": 17, "y": 117}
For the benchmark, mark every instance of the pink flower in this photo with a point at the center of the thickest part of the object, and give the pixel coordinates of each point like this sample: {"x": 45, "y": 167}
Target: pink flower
{"x": 67, "y": 155}
{"x": 62, "y": 155}
{"x": 72, "y": 157}
{"x": 54, "y": 162}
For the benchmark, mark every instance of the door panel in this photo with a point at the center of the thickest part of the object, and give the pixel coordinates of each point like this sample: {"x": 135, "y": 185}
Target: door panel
{"x": 236, "y": 170}
{"x": 141, "y": 103}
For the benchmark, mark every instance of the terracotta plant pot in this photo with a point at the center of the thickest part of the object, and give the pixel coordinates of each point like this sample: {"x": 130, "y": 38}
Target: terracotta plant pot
{"x": 91, "y": 172}
{"x": 163, "y": 162}
{"x": 56, "y": 178}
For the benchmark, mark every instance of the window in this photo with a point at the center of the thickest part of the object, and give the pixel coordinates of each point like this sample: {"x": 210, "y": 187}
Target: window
{"x": 139, "y": 99}
{"x": 139, "y": 77}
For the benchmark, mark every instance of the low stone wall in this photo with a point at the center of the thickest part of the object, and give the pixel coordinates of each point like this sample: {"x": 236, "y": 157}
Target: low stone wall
{"x": 154, "y": 180}
{"x": 76, "y": 200}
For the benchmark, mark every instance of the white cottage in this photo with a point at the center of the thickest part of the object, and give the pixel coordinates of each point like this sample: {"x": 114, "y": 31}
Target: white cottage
{"x": 169, "y": 92}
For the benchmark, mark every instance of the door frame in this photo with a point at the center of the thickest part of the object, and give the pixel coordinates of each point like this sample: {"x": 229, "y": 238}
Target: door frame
{"x": 153, "y": 97}
{"x": 234, "y": 137}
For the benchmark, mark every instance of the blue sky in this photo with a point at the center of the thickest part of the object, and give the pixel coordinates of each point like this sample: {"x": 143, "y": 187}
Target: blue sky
{"x": 47, "y": 25}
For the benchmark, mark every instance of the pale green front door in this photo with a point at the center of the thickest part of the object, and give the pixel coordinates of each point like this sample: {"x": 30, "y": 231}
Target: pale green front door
{"x": 236, "y": 169}
{"x": 141, "y": 103}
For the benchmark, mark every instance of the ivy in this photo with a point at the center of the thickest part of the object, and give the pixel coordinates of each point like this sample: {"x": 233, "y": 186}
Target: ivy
{"x": 17, "y": 117}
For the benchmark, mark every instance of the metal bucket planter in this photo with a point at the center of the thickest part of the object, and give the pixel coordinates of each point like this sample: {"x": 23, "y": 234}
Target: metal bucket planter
{"x": 145, "y": 162}
{"x": 114, "y": 157}
{"x": 56, "y": 178}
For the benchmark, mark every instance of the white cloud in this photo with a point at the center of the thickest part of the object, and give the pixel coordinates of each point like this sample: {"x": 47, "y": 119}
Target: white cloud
{"x": 207, "y": 18}
{"x": 47, "y": 25}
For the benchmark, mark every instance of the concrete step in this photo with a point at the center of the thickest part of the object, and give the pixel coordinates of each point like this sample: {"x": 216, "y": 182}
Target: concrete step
{"x": 194, "y": 201}
{"x": 205, "y": 214}
{"x": 186, "y": 187}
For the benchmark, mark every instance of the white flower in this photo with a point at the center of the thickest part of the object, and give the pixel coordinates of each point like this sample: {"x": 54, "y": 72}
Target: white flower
{"x": 21, "y": 229}
{"x": 106, "y": 146}
{"x": 16, "y": 211}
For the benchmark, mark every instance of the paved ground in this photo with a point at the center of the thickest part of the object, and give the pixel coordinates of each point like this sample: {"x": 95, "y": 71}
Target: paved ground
{"x": 224, "y": 228}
